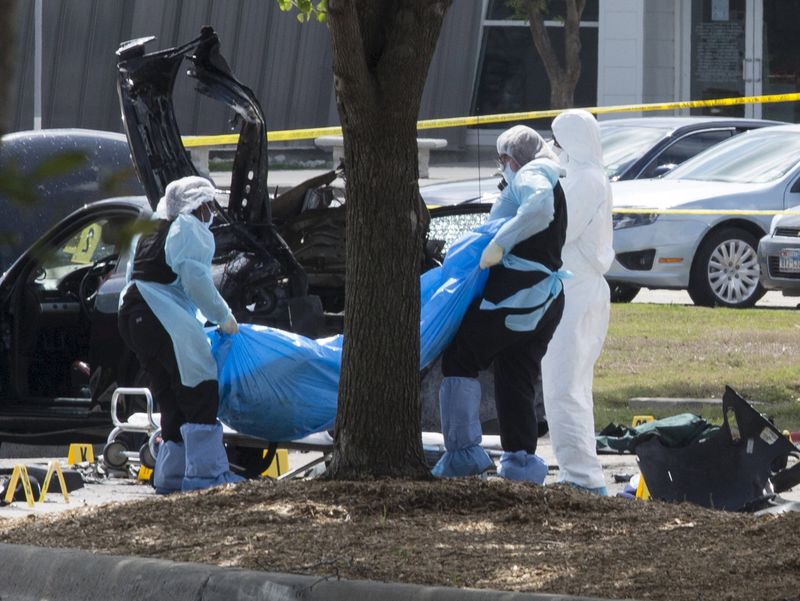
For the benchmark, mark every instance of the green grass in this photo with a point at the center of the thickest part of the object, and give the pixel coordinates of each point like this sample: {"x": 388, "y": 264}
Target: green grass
{"x": 693, "y": 352}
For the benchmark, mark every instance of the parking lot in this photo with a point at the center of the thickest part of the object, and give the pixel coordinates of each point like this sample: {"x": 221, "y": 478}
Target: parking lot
{"x": 681, "y": 297}
{"x": 101, "y": 490}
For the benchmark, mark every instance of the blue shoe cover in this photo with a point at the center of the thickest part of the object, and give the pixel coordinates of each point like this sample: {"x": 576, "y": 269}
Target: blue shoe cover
{"x": 206, "y": 461}
{"x": 522, "y": 466}
{"x": 459, "y": 407}
{"x": 170, "y": 467}
{"x": 464, "y": 462}
{"x": 600, "y": 491}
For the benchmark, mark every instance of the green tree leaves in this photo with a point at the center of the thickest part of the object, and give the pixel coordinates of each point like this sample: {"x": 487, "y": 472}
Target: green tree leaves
{"x": 306, "y": 9}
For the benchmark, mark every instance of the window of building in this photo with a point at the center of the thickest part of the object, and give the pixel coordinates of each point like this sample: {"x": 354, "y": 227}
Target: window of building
{"x": 510, "y": 74}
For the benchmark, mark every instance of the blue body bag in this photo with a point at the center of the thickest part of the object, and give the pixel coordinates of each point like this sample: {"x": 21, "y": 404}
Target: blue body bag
{"x": 281, "y": 386}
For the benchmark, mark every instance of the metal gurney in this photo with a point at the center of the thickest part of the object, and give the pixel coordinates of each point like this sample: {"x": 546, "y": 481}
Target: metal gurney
{"x": 246, "y": 453}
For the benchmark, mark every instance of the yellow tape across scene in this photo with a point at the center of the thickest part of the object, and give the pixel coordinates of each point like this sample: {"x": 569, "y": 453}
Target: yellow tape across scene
{"x": 307, "y": 134}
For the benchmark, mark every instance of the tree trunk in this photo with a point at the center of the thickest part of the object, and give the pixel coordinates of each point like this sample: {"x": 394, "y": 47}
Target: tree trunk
{"x": 8, "y": 22}
{"x": 563, "y": 79}
{"x": 381, "y": 54}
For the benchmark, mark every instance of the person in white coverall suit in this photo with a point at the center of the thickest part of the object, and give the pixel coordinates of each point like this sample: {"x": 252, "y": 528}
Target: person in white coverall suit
{"x": 568, "y": 365}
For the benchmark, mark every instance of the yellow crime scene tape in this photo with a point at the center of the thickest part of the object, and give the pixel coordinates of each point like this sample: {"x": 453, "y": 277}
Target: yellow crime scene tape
{"x": 307, "y": 134}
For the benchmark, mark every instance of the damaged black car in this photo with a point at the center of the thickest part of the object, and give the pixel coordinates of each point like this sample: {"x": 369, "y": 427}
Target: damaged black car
{"x": 61, "y": 355}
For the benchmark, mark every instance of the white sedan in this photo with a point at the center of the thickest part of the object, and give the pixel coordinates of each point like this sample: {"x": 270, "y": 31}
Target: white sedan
{"x": 710, "y": 249}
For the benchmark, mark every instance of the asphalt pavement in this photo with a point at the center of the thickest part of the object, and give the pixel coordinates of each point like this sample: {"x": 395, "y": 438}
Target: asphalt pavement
{"x": 772, "y": 299}
{"x": 102, "y": 489}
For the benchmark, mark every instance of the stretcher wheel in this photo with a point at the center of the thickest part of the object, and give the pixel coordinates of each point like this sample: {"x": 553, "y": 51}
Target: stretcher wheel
{"x": 114, "y": 455}
{"x": 146, "y": 457}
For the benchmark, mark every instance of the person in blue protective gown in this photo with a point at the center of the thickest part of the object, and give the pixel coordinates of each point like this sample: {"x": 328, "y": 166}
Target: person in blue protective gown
{"x": 170, "y": 281}
{"x": 568, "y": 366}
{"x": 511, "y": 324}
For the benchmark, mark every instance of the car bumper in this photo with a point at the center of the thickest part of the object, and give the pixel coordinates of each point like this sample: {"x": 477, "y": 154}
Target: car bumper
{"x": 772, "y": 276}
{"x": 672, "y": 244}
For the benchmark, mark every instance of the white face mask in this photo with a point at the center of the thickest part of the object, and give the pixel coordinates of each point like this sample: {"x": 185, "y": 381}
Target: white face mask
{"x": 508, "y": 173}
{"x": 202, "y": 212}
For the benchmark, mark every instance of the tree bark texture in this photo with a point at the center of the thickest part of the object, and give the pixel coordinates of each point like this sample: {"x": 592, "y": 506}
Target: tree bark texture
{"x": 381, "y": 54}
{"x": 563, "y": 78}
{"x": 8, "y": 21}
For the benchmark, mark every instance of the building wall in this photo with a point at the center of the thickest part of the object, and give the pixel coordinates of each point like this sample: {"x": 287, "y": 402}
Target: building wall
{"x": 287, "y": 64}
{"x": 451, "y": 78}
{"x": 620, "y": 53}
{"x": 658, "y": 76}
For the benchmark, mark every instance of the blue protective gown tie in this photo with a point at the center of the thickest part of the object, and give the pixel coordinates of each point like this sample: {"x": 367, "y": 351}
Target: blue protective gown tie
{"x": 537, "y": 298}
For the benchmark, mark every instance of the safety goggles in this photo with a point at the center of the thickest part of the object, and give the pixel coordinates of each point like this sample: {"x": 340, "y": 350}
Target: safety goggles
{"x": 501, "y": 161}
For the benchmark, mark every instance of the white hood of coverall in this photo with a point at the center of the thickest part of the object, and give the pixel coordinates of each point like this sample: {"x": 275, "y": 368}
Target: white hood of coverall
{"x": 588, "y": 247}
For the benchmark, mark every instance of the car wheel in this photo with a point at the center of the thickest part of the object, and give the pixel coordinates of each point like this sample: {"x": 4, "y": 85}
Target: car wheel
{"x": 725, "y": 270}
{"x": 622, "y": 293}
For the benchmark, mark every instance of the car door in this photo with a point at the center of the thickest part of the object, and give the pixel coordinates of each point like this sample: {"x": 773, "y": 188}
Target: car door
{"x": 46, "y": 319}
{"x": 791, "y": 197}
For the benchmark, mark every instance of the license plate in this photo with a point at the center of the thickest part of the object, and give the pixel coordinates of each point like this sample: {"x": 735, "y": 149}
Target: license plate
{"x": 789, "y": 260}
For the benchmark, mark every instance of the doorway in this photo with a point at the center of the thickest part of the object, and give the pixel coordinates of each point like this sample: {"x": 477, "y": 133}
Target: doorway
{"x": 745, "y": 48}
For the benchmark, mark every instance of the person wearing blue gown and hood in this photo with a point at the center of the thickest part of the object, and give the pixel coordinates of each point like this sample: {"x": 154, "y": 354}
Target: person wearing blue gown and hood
{"x": 511, "y": 325}
{"x": 170, "y": 282}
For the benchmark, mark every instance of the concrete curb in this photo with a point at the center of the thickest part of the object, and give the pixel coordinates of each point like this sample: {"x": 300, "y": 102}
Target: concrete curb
{"x": 34, "y": 573}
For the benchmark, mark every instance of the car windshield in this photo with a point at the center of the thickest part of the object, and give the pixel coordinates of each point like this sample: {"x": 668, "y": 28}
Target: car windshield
{"x": 623, "y": 145}
{"x": 756, "y": 158}
{"x": 85, "y": 247}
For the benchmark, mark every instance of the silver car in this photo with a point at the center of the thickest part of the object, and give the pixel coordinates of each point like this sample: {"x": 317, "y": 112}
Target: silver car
{"x": 779, "y": 255}
{"x": 711, "y": 249}
{"x": 634, "y": 148}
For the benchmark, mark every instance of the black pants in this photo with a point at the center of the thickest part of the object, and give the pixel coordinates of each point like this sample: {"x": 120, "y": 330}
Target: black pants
{"x": 146, "y": 337}
{"x": 483, "y": 339}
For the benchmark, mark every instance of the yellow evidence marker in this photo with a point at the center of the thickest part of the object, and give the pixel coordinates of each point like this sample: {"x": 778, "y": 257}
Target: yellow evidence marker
{"x": 80, "y": 453}
{"x": 20, "y": 472}
{"x": 54, "y": 468}
{"x": 638, "y": 420}
{"x": 279, "y": 465}
{"x": 642, "y": 492}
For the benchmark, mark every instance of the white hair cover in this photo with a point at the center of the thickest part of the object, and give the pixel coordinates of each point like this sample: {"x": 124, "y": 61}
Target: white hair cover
{"x": 183, "y": 196}
{"x": 523, "y": 145}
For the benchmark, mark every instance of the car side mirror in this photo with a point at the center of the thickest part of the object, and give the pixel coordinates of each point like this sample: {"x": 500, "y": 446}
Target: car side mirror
{"x": 663, "y": 169}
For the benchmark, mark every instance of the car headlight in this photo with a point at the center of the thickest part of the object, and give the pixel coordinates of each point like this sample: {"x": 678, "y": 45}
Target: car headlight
{"x": 625, "y": 220}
